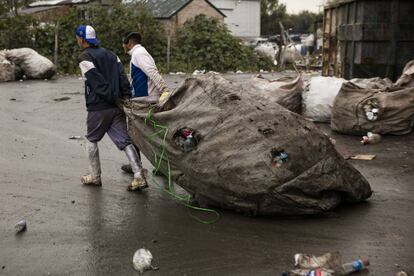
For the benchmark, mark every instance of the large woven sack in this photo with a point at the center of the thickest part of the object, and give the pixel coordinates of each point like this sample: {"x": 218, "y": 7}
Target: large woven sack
{"x": 34, "y": 65}
{"x": 355, "y": 106}
{"x": 250, "y": 155}
{"x": 407, "y": 77}
{"x": 286, "y": 91}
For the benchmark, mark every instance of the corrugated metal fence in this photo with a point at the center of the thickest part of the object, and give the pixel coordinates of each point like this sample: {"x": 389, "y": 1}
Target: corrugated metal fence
{"x": 367, "y": 38}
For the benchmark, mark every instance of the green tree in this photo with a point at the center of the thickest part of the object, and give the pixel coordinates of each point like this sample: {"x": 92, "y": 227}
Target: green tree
{"x": 302, "y": 22}
{"x": 272, "y": 12}
{"x": 17, "y": 31}
{"x": 111, "y": 24}
{"x": 12, "y": 6}
{"x": 204, "y": 43}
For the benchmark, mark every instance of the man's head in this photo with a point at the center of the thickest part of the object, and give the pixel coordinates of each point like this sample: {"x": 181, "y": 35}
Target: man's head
{"x": 86, "y": 36}
{"x": 130, "y": 40}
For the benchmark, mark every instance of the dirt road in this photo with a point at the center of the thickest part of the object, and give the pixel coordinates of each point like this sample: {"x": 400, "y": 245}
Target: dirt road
{"x": 77, "y": 230}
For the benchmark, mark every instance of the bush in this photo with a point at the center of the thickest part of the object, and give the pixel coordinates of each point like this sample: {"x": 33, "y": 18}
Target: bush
{"x": 111, "y": 24}
{"x": 205, "y": 43}
{"x": 17, "y": 31}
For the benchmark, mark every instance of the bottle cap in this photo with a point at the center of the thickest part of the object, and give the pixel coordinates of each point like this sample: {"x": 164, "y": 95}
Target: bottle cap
{"x": 365, "y": 262}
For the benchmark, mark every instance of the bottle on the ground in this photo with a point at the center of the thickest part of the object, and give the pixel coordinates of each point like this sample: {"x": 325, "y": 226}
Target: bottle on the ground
{"x": 354, "y": 266}
{"x": 371, "y": 138}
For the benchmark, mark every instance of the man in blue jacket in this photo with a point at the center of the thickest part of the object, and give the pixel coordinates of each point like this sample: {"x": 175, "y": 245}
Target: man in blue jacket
{"x": 105, "y": 85}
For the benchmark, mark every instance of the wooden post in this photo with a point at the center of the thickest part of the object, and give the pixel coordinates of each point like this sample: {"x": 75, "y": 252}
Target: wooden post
{"x": 168, "y": 52}
{"x": 283, "y": 48}
{"x": 55, "y": 56}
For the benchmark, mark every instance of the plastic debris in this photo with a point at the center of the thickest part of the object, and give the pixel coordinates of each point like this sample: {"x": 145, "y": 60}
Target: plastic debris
{"x": 328, "y": 260}
{"x": 199, "y": 72}
{"x": 21, "y": 226}
{"x": 371, "y": 110}
{"x": 328, "y": 264}
{"x": 213, "y": 72}
{"x": 279, "y": 157}
{"x": 142, "y": 260}
{"x": 401, "y": 273}
{"x": 371, "y": 138}
{"x": 75, "y": 137}
{"x": 185, "y": 138}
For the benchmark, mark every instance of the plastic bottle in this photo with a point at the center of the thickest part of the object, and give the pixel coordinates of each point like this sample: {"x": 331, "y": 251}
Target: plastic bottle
{"x": 21, "y": 226}
{"x": 189, "y": 143}
{"x": 371, "y": 138}
{"x": 356, "y": 266}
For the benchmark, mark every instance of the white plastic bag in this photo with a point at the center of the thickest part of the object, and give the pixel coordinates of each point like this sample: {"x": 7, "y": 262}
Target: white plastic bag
{"x": 318, "y": 97}
{"x": 142, "y": 260}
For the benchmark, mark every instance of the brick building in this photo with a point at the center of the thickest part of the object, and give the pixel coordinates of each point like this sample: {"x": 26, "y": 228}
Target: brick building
{"x": 174, "y": 13}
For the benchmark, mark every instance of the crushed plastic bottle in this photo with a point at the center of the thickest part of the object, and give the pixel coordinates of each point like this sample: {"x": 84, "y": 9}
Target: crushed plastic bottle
{"x": 371, "y": 138}
{"x": 142, "y": 260}
{"x": 186, "y": 138}
{"x": 21, "y": 226}
{"x": 279, "y": 157}
{"x": 189, "y": 143}
{"x": 371, "y": 110}
{"x": 356, "y": 266}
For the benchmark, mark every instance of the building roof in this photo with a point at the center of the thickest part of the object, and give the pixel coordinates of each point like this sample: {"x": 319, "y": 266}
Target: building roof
{"x": 164, "y": 9}
{"x": 46, "y": 3}
{"x": 33, "y": 10}
{"x": 338, "y": 3}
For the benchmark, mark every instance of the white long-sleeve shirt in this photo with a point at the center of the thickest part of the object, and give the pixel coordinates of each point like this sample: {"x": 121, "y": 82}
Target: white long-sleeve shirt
{"x": 146, "y": 80}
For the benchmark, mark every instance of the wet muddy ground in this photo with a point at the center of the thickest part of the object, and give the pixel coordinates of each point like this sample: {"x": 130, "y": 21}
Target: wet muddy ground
{"x": 77, "y": 230}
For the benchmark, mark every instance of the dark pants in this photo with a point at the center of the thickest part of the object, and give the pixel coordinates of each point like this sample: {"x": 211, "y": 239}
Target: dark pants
{"x": 111, "y": 121}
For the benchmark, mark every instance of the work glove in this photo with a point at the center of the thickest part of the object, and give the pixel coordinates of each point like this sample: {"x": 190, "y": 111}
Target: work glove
{"x": 164, "y": 96}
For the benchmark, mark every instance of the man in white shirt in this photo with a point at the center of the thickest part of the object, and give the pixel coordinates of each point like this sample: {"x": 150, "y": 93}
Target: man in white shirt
{"x": 146, "y": 80}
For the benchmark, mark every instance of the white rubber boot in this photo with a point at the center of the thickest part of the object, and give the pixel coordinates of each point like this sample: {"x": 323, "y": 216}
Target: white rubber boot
{"x": 94, "y": 176}
{"x": 139, "y": 181}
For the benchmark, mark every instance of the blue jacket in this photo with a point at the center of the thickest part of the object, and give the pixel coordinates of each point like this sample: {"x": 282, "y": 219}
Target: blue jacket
{"x": 106, "y": 82}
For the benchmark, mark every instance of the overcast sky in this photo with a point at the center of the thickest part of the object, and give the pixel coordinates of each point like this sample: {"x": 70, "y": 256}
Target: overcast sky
{"x": 295, "y": 6}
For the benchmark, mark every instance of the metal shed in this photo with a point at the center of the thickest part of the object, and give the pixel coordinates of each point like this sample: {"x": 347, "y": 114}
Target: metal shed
{"x": 368, "y": 38}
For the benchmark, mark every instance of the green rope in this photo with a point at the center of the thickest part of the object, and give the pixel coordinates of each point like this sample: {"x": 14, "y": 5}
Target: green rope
{"x": 162, "y": 131}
